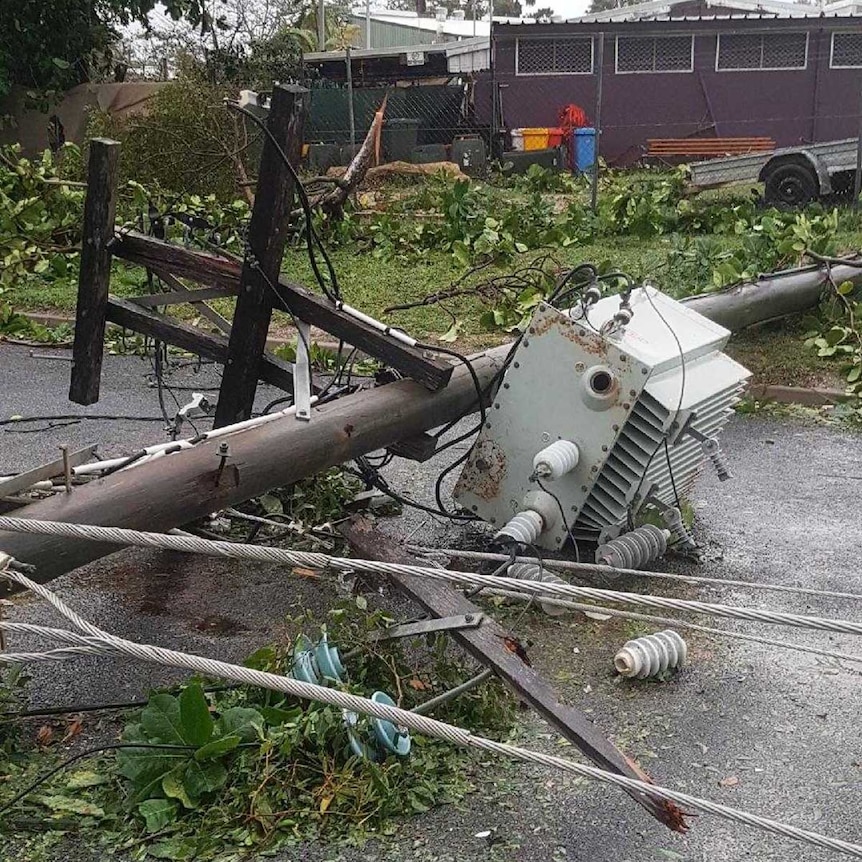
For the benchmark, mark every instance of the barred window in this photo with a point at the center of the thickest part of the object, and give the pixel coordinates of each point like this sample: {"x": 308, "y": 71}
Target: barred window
{"x": 554, "y": 56}
{"x": 654, "y": 54}
{"x": 846, "y": 51}
{"x": 741, "y": 51}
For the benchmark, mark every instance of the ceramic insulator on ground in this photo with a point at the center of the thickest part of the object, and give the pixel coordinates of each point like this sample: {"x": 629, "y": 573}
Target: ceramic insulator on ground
{"x": 635, "y": 549}
{"x": 651, "y": 655}
{"x": 532, "y": 572}
{"x": 556, "y": 460}
{"x": 525, "y": 528}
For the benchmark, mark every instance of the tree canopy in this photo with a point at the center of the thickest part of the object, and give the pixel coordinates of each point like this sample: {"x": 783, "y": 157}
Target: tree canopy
{"x": 49, "y": 46}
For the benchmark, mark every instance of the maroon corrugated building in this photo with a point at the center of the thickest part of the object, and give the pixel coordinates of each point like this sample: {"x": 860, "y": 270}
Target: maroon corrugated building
{"x": 693, "y": 71}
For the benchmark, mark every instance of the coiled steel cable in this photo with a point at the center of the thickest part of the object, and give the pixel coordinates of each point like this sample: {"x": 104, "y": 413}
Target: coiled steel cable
{"x": 598, "y": 568}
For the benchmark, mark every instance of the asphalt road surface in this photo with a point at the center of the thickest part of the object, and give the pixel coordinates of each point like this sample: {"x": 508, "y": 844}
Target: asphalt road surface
{"x": 757, "y": 727}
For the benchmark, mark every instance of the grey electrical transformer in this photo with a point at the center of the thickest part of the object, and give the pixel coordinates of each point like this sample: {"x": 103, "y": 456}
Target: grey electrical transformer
{"x": 604, "y": 408}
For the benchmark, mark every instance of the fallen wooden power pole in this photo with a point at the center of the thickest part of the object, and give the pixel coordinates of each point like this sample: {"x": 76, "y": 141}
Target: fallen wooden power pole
{"x": 173, "y": 491}
{"x": 772, "y": 296}
{"x": 267, "y": 236}
{"x": 188, "y": 484}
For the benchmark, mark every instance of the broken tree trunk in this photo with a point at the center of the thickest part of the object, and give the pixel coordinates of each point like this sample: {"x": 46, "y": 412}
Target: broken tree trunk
{"x": 332, "y": 202}
{"x": 487, "y": 644}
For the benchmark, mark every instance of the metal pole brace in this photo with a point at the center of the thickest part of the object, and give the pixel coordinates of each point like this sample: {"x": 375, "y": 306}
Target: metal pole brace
{"x": 438, "y": 624}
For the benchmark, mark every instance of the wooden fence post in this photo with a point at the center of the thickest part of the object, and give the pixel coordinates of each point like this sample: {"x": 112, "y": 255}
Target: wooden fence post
{"x": 95, "y": 272}
{"x": 267, "y": 236}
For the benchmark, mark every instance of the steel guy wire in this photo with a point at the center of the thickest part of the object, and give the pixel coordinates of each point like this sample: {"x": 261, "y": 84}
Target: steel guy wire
{"x": 111, "y": 644}
{"x": 598, "y": 568}
{"x": 671, "y": 621}
{"x": 315, "y": 560}
{"x": 87, "y": 646}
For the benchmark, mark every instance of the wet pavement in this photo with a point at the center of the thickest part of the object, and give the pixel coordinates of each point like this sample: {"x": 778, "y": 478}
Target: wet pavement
{"x": 753, "y": 726}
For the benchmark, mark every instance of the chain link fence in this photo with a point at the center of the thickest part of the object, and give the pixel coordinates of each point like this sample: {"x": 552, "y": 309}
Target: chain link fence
{"x": 422, "y": 120}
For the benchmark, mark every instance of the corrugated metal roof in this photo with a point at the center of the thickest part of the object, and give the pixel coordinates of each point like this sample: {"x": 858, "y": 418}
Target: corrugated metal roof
{"x": 450, "y": 49}
{"x": 661, "y": 9}
{"x": 742, "y": 16}
{"x": 461, "y": 27}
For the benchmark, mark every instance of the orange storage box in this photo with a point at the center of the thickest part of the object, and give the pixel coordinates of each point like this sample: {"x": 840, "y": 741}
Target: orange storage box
{"x": 535, "y": 139}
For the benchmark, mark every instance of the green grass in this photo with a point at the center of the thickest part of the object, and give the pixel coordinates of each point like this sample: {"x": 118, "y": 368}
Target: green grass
{"x": 60, "y": 295}
{"x": 775, "y": 354}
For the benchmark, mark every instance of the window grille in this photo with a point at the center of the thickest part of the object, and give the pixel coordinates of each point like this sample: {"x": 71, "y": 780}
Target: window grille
{"x": 745, "y": 51}
{"x": 554, "y": 56}
{"x": 846, "y": 51}
{"x": 654, "y": 54}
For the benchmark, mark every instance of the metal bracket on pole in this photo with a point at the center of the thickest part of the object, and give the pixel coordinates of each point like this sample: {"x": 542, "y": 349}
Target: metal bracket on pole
{"x": 439, "y": 624}
{"x": 302, "y": 377}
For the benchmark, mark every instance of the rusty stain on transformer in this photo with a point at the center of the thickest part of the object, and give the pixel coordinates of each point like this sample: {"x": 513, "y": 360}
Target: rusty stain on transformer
{"x": 574, "y": 332}
{"x": 484, "y": 472}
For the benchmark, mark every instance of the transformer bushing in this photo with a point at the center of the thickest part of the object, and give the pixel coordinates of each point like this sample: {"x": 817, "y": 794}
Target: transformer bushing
{"x": 651, "y": 655}
{"x": 556, "y": 460}
{"x": 532, "y": 572}
{"x": 635, "y": 549}
{"x": 525, "y": 528}
{"x": 540, "y": 513}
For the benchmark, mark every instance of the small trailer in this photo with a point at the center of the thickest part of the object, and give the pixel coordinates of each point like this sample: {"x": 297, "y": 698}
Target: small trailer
{"x": 793, "y": 176}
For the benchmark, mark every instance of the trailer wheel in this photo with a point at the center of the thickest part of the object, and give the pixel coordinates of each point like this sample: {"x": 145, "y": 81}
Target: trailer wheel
{"x": 791, "y": 185}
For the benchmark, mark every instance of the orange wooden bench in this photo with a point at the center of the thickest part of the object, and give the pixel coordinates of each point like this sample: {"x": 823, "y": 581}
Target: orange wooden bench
{"x": 707, "y": 147}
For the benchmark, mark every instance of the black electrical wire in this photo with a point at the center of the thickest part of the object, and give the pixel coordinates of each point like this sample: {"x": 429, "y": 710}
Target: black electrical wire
{"x": 114, "y": 746}
{"x": 563, "y": 516}
{"x": 340, "y": 366}
{"x": 299, "y": 333}
{"x": 368, "y": 472}
{"x": 581, "y": 267}
{"x": 81, "y": 417}
{"x": 132, "y": 459}
{"x": 373, "y": 479}
{"x": 160, "y": 390}
{"x": 446, "y": 351}
{"x": 310, "y": 234}
{"x": 494, "y": 380}
{"x": 276, "y": 402}
{"x": 45, "y": 712}
{"x": 670, "y": 474}
{"x": 679, "y": 402}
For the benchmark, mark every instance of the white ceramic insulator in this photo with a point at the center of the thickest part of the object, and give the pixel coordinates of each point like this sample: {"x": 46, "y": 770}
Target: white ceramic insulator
{"x": 556, "y": 460}
{"x": 525, "y": 528}
{"x": 532, "y": 572}
{"x": 635, "y": 549}
{"x": 651, "y": 655}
